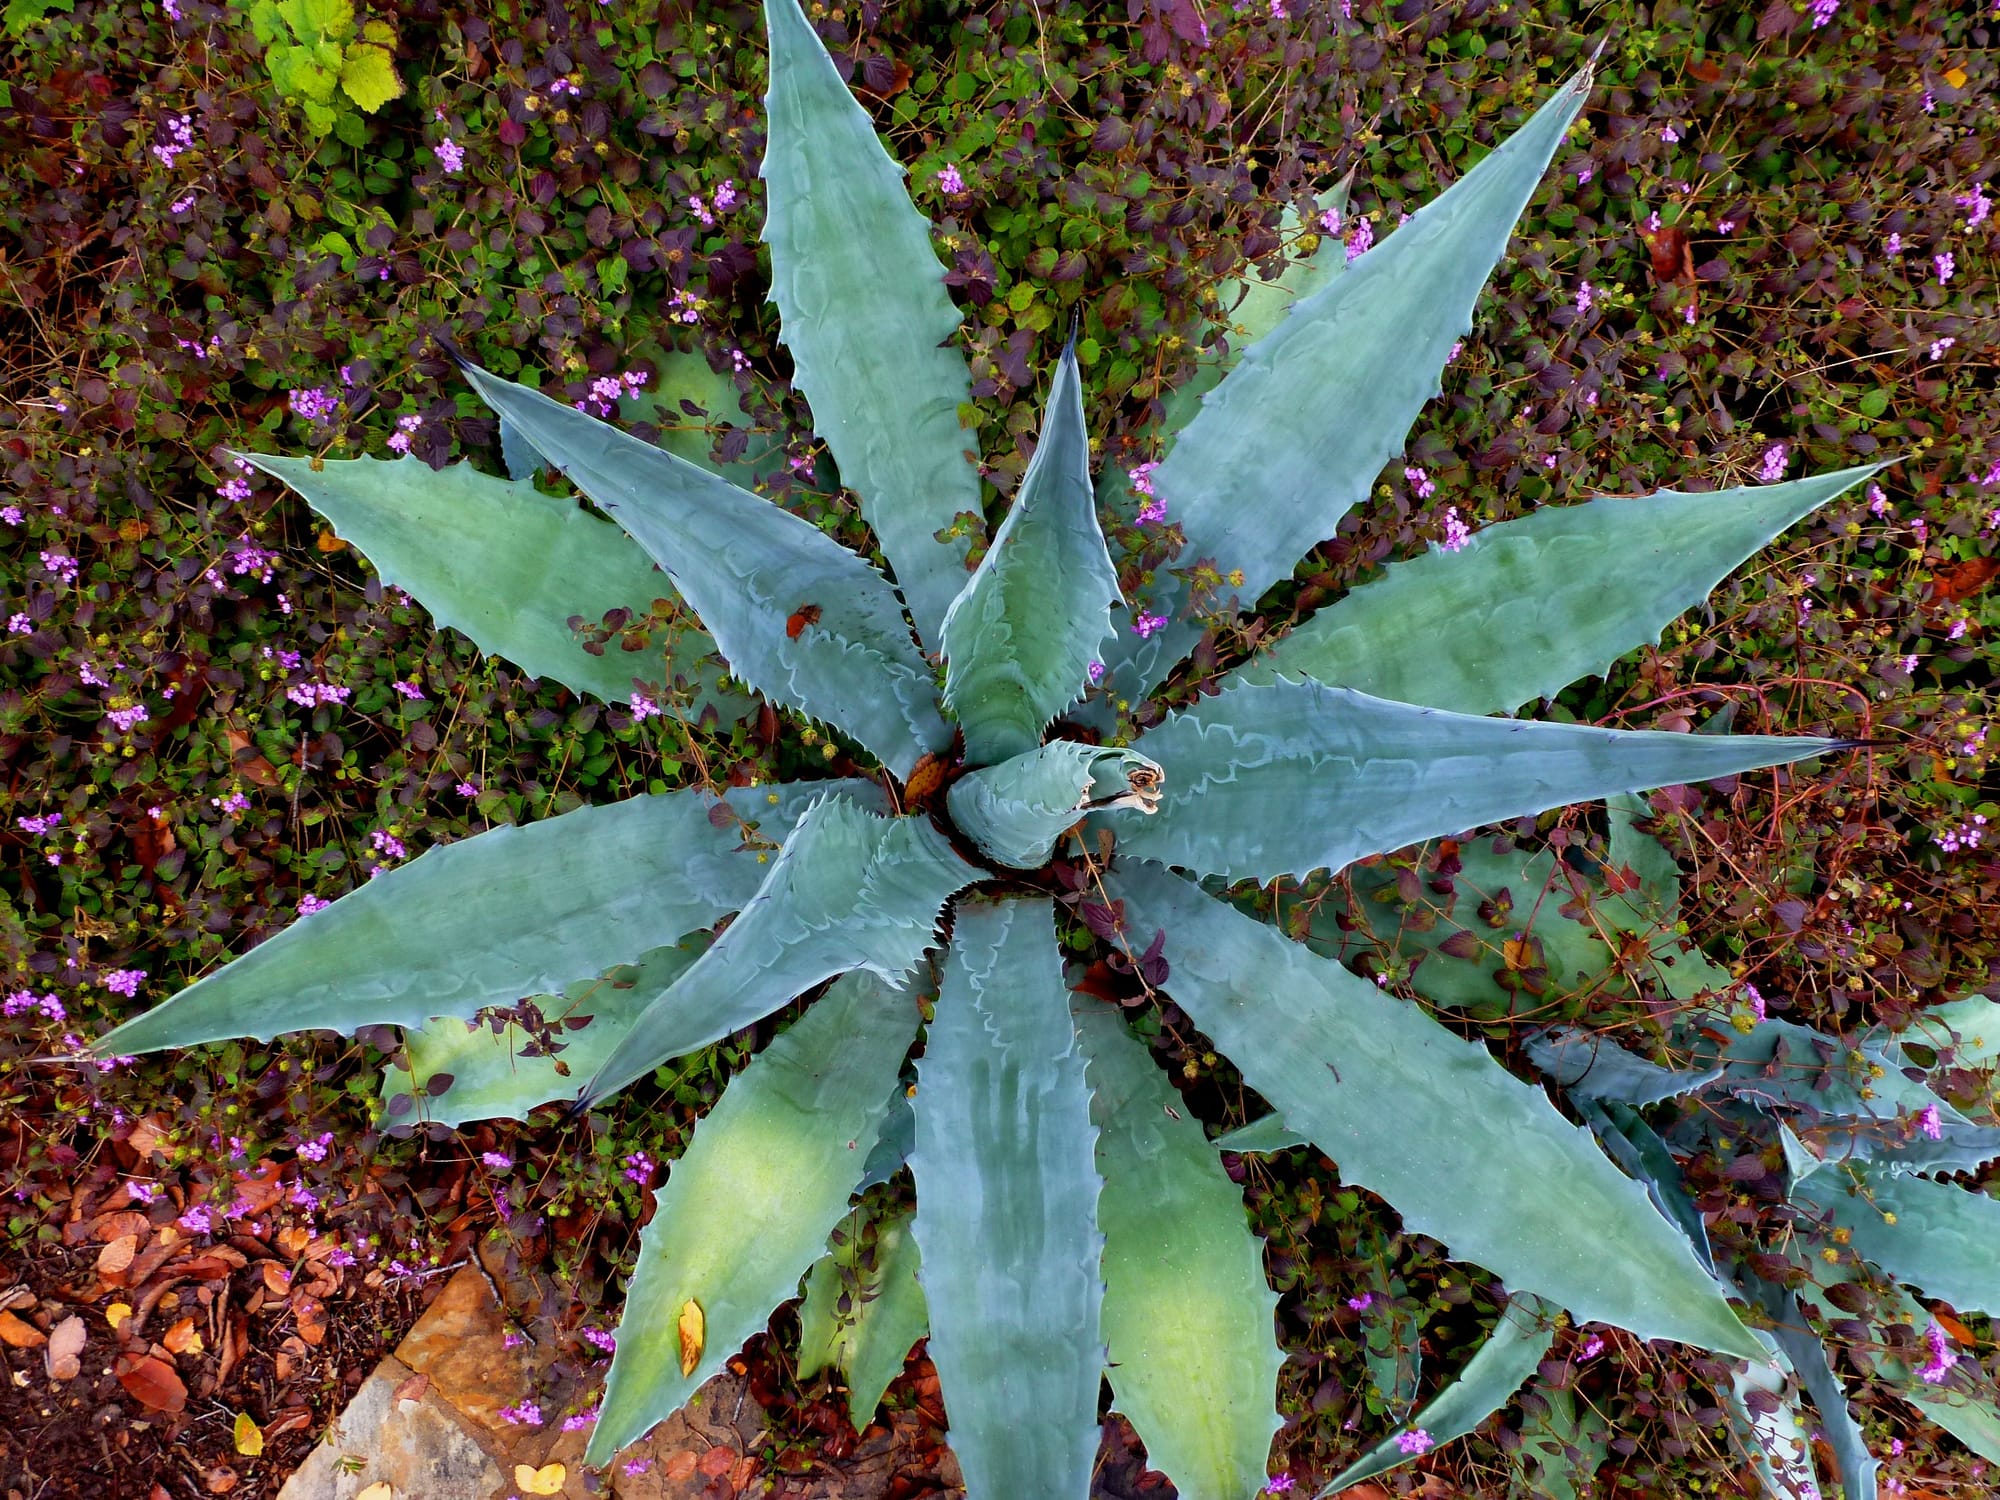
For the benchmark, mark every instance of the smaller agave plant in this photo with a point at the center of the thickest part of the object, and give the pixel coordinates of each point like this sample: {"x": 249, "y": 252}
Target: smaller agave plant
{"x": 1069, "y": 1218}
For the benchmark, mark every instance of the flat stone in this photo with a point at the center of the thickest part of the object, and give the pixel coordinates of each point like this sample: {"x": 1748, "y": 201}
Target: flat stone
{"x": 460, "y": 1343}
{"x": 420, "y": 1447}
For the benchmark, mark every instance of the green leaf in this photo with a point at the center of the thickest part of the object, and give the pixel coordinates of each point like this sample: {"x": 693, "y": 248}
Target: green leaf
{"x": 1261, "y": 1137}
{"x": 510, "y": 912}
{"x": 1508, "y": 1358}
{"x": 865, "y": 315}
{"x": 1019, "y": 641}
{"x": 1528, "y": 606}
{"x": 1564, "y": 1445}
{"x": 1969, "y": 1028}
{"x": 486, "y": 1075}
{"x": 1771, "y": 1432}
{"x": 1589, "y": 1066}
{"x": 1941, "y": 1240}
{"x": 683, "y": 379}
{"x": 368, "y": 77}
{"x": 850, "y": 890}
{"x": 1016, "y": 811}
{"x": 1289, "y": 777}
{"x": 1794, "y": 1336}
{"x": 311, "y": 20}
{"x": 1628, "y": 1140}
{"x": 23, "y": 15}
{"x": 885, "y": 1313}
{"x": 1659, "y": 893}
{"x": 504, "y": 564}
{"x": 747, "y": 566}
{"x": 748, "y": 1207}
{"x": 1384, "y": 1090}
{"x": 1187, "y": 1312}
{"x": 1007, "y": 1192}
{"x": 1296, "y": 434}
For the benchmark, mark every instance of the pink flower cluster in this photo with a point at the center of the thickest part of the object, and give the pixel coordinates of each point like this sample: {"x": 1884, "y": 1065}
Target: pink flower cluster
{"x": 179, "y": 136}
{"x": 314, "y": 403}
{"x": 1456, "y": 532}
{"x": 313, "y": 694}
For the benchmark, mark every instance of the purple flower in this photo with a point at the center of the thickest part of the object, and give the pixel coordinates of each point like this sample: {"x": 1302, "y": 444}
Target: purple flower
{"x": 399, "y": 440}
{"x": 602, "y": 1340}
{"x": 197, "y": 1220}
{"x": 1593, "y": 1346}
{"x": 1822, "y": 12}
{"x": 1420, "y": 482}
{"x": 315, "y": 1150}
{"x": 1095, "y": 672}
{"x": 580, "y": 1420}
{"x": 643, "y": 708}
{"x": 1456, "y": 532}
{"x": 497, "y": 1161}
{"x": 1931, "y": 1122}
{"x": 1893, "y": 245}
{"x": 60, "y": 565}
{"x": 1669, "y": 134}
{"x": 142, "y": 1192}
{"x": 949, "y": 181}
{"x": 639, "y": 1168}
{"x": 1585, "y": 295}
{"x": 1146, "y": 624}
{"x": 1278, "y": 1484}
{"x": 1938, "y": 348}
{"x": 450, "y": 155}
{"x": 1943, "y": 1356}
{"x": 1979, "y": 204}
{"x": 19, "y": 624}
{"x": 527, "y": 1414}
{"x": 409, "y": 690}
{"x": 726, "y": 196}
{"x": 44, "y": 824}
{"x": 1361, "y": 1303}
{"x": 124, "y": 981}
{"x": 1415, "y": 1441}
{"x": 309, "y": 903}
{"x": 1774, "y": 464}
{"x": 466, "y": 789}
{"x": 11, "y": 514}
{"x": 1359, "y": 241}
{"x": 1945, "y": 265}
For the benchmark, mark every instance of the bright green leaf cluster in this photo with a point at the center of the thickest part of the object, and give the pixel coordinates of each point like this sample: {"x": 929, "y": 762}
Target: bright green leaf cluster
{"x": 319, "y": 62}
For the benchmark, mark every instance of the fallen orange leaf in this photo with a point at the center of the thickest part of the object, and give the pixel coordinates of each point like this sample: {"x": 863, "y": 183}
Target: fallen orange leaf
{"x": 151, "y": 1382}
{"x": 182, "y": 1338}
{"x": 19, "y": 1334}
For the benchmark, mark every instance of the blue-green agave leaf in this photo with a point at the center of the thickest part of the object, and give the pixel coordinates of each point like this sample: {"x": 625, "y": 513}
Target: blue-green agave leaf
{"x": 863, "y": 1310}
{"x": 850, "y": 890}
{"x": 1007, "y": 1190}
{"x": 1287, "y": 777}
{"x": 1589, "y": 1066}
{"x": 898, "y": 1138}
{"x": 522, "y": 458}
{"x": 748, "y": 566}
{"x": 866, "y": 317}
{"x": 1261, "y": 1137}
{"x": 1793, "y": 1335}
{"x": 1016, "y": 811}
{"x": 510, "y": 912}
{"x": 1771, "y": 1432}
{"x": 749, "y": 1205}
{"x": 1509, "y": 1357}
{"x": 1187, "y": 1311}
{"x": 502, "y": 563}
{"x": 1628, "y": 1140}
{"x": 483, "y": 1074}
{"x": 1020, "y": 638}
{"x": 1294, "y": 436}
{"x": 1384, "y": 1090}
{"x": 1938, "y": 1237}
{"x": 1968, "y": 1028}
{"x": 1529, "y": 606}
{"x": 1954, "y": 1403}
{"x": 684, "y": 378}
{"x": 1562, "y": 1447}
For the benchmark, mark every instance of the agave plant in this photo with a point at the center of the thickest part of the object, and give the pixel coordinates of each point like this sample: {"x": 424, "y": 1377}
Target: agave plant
{"x": 1069, "y": 1219}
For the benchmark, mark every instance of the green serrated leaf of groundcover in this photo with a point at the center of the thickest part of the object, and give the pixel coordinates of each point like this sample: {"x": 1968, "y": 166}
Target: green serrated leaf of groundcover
{"x": 1020, "y": 638}
{"x": 748, "y": 567}
{"x": 504, "y": 564}
{"x": 510, "y": 912}
{"x": 1285, "y": 778}
{"x": 886, "y": 1314}
{"x": 1187, "y": 1312}
{"x": 1385, "y": 1090}
{"x": 866, "y": 317}
{"x": 1529, "y": 606}
{"x": 850, "y": 890}
{"x": 749, "y": 1205}
{"x": 1007, "y": 1191}
{"x": 1509, "y": 1356}
{"x": 489, "y": 1074}
{"x": 368, "y": 77}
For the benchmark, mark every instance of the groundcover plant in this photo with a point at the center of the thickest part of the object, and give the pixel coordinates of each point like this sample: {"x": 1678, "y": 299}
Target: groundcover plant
{"x": 1069, "y": 1219}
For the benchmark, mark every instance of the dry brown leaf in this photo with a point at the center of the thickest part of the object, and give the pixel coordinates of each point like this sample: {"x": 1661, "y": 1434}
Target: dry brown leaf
{"x": 16, "y": 1296}
{"x": 716, "y": 1461}
{"x": 117, "y": 1313}
{"x": 681, "y": 1466}
{"x": 1958, "y": 580}
{"x": 742, "y": 1472}
{"x": 413, "y": 1389}
{"x": 292, "y": 1239}
{"x": 693, "y": 1332}
{"x": 258, "y": 1188}
{"x": 117, "y": 1226}
{"x": 219, "y": 1480}
{"x": 152, "y": 1382}
{"x": 65, "y": 1344}
{"x": 146, "y": 1134}
{"x": 277, "y": 1280}
{"x": 116, "y": 1256}
{"x": 20, "y": 1335}
{"x": 182, "y": 1338}
{"x": 381, "y": 1489}
{"x": 310, "y": 1313}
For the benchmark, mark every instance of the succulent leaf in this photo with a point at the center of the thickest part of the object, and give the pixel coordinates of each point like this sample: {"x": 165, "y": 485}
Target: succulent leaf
{"x": 1628, "y": 1140}
{"x": 850, "y": 890}
{"x": 1016, "y": 811}
{"x": 1527, "y": 607}
{"x": 1007, "y": 1191}
{"x": 749, "y": 568}
{"x": 870, "y": 1340}
{"x": 502, "y": 563}
{"x": 1020, "y": 638}
{"x": 1856, "y": 1466}
{"x": 1187, "y": 1312}
{"x": 1509, "y": 1357}
{"x": 1288, "y": 777}
{"x": 1763, "y": 1407}
{"x": 1294, "y": 436}
{"x": 1588, "y": 1066}
{"x": 510, "y": 912}
{"x": 1261, "y": 1137}
{"x": 1383, "y": 1089}
{"x": 866, "y": 317}
{"x": 683, "y": 379}
{"x": 749, "y": 1205}
{"x": 1937, "y": 1236}
{"x": 486, "y": 1075}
